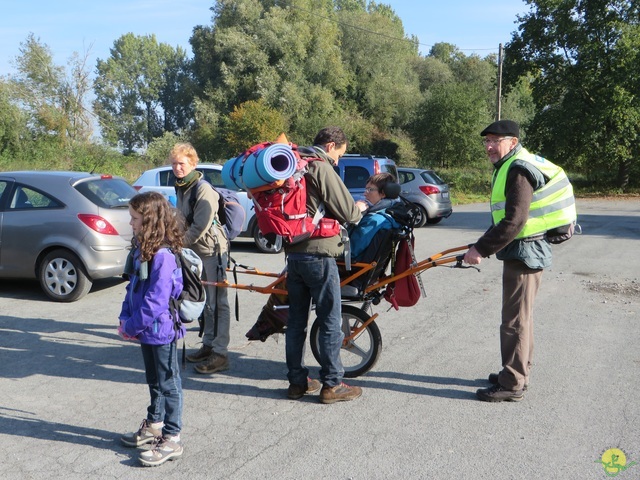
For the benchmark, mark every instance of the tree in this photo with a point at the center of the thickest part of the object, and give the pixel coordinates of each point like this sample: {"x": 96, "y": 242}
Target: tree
{"x": 583, "y": 61}
{"x": 459, "y": 93}
{"x": 285, "y": 53}
{"x": 253, "y": 122}
{"x": 446, "y": 130}
{"x": 142, "y": 90}
{"x": 13, "y": 124}
{"x": 384, "y": 84}
{"x": 54, "y": 99}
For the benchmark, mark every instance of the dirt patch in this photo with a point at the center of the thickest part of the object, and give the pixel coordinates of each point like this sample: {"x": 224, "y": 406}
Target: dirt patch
{"x": 627, "y": 289}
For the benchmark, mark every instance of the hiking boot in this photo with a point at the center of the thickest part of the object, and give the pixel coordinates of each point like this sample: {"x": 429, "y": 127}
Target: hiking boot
{"x": 163, "y": 449}
{"x": 215, "y": 363}
{"x": 201, "y": 355}
{"x": 339, "y": 393}
{"x": 298, "y": 391}
{"x": 145, "y": 434}
{"x": 493, "y": 380}
{"x": 498, "y": 393}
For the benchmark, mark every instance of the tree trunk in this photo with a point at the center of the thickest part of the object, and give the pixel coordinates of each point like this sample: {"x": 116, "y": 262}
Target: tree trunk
{"x": 623, "y": 173}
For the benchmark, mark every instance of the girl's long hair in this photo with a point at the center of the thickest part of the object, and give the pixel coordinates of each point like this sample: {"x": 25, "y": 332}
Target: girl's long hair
{"x": 160, "y": 226}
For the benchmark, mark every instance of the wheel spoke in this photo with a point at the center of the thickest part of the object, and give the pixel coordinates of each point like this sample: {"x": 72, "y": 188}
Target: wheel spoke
{"x": 354, "y": 349}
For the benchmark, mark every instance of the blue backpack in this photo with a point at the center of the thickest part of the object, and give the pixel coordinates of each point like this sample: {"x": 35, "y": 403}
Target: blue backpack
{"x": 230, "y": 212}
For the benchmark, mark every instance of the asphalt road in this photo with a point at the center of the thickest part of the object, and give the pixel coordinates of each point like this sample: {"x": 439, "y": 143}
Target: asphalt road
{"x": 70, "y": 386}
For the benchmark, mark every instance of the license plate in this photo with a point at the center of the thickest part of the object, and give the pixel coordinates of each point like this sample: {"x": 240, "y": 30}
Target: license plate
{"x": 445, "y": 194}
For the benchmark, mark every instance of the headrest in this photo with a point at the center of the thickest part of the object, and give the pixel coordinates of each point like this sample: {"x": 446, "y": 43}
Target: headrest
{"x": 392, "y": 190}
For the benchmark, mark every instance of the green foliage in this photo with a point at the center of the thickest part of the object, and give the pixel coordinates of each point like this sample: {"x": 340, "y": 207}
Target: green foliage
{"x": 52, "y": 98}
{"x": 262, "y": 50}
{"x": 571, "y": 79}
{"x": 447, "y": 127}
{"x": 142, "y": 90}
{"x": 459, "y": 101}
{"x": 583, "y": 61}
{"x": 384, "y": 85}
{"x": 13, "y": 123}
{"x": 157, "y": 153}
{"x": 250, "y": 123}
{"x": 305, "y": 60}
{"x": 398, "y": 146}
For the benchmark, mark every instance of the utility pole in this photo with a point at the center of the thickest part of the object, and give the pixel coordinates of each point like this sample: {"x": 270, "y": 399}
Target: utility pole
{"x": 499, "y": 92}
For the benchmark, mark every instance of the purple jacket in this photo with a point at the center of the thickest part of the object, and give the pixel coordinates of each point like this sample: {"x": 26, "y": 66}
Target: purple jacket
{"x": 145, "y": 311}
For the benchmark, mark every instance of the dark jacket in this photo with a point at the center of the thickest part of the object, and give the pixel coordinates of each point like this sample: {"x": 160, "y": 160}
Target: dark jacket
{"x": 500, "y": 238}
{"x": 205, "y": 235}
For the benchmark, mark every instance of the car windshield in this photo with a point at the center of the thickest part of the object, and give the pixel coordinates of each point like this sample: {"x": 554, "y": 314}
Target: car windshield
{"x": 107, "y": 192}
{"x": 431, "y": 177}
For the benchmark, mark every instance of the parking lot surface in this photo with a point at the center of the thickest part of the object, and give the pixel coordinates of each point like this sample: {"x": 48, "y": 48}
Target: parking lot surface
{"x": 70, "y": 387}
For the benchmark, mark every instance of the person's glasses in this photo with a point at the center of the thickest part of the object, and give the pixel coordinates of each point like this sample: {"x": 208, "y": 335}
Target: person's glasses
{"x": 487, "y": 141}
{"x": 371, "y": 189}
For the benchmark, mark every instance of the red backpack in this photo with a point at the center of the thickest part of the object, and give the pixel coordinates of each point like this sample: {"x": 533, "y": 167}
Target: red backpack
{"x": 404, "y": 292}
{"x": 281, "y": 207}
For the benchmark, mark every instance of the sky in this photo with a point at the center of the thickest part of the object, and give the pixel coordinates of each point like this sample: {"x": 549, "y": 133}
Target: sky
{"x": 91, "y": 27}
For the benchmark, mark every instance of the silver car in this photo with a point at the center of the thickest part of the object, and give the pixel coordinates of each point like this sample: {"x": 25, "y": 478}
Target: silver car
{"x": 427, "y": 190}
{"x": 65, "y": 229}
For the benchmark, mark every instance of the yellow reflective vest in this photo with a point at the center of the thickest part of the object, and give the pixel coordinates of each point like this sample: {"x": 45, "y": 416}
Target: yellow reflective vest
{"x": 553, "y": 205}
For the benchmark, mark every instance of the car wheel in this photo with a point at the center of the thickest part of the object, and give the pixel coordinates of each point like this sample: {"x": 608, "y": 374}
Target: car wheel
{"x": 62, "y": 276}
{"x": 422, "y": 218}
{"x": 433, "y": 221}
{"x": 263, "y": 245}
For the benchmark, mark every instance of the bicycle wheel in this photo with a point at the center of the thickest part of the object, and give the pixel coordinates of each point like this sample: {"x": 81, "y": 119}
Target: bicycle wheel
{"x": 359, "y": 354}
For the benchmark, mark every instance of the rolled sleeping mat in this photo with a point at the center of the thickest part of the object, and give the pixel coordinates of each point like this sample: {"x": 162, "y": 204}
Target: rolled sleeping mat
{"x": 263, "y": 167}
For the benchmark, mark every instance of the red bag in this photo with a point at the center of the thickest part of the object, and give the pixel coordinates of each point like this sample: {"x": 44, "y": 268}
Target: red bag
{"x": 281, "y": 208}
{"x": 404, "y": 292}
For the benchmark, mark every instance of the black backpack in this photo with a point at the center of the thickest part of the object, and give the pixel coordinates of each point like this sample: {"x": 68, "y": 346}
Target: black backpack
{"x": 190, "y": 304}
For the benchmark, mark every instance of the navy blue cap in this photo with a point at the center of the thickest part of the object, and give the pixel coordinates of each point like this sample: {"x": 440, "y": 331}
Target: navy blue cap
{"x": 505, "y": 128}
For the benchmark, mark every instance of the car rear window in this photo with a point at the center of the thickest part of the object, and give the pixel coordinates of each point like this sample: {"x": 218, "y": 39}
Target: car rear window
{"x": 107, "y": 192}
{"x": 390, "y": 168}
{"x": 431, "y": 177}
{"x": 356, "y": 177}
{"x": 211, "y": 175}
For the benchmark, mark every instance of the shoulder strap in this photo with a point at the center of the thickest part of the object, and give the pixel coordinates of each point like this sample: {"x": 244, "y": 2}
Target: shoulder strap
{"x": 192, "y": 201}
{"x": 174, "y": 308}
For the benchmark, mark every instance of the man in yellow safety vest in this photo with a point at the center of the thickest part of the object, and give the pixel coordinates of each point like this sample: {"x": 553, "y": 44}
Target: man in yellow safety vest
{"x": 529, "y": 196}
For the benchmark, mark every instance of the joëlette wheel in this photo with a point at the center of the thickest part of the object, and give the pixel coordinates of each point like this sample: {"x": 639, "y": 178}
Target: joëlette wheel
{"x": 358, "y": 354}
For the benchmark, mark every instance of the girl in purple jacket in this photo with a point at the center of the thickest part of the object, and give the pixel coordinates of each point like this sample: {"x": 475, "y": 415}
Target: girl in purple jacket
{"x": 155, "y": 278}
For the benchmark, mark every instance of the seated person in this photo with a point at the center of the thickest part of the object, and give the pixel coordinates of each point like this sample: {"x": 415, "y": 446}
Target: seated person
{"x": 375, "y": 193}
{"x": 380, "y": 193}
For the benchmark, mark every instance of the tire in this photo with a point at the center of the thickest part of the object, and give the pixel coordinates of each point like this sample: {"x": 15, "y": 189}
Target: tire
{"x": 433, "y": 221}
{"x": 360, "y": 354}
{"x": 423, "y": 218}
{"x": 63, "y": 277}
{"x": 262, "y": 243}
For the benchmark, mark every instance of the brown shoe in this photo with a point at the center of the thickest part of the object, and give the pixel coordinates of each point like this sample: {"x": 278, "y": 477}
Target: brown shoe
{"x": 215, "y": 363}
{"x": 201, "y": 355}
{"x": 339, "y": 393}
{"x": 298, "y": 391}
{"x": 498, "y": 393}
{"x": 493, "y": 380}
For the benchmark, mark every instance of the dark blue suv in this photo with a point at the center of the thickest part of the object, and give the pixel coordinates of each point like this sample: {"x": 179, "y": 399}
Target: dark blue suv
{"x": 355, "y": 169}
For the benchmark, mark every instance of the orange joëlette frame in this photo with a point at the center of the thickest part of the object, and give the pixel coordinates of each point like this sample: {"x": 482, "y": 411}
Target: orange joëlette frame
{"x": 440, "y": 258}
